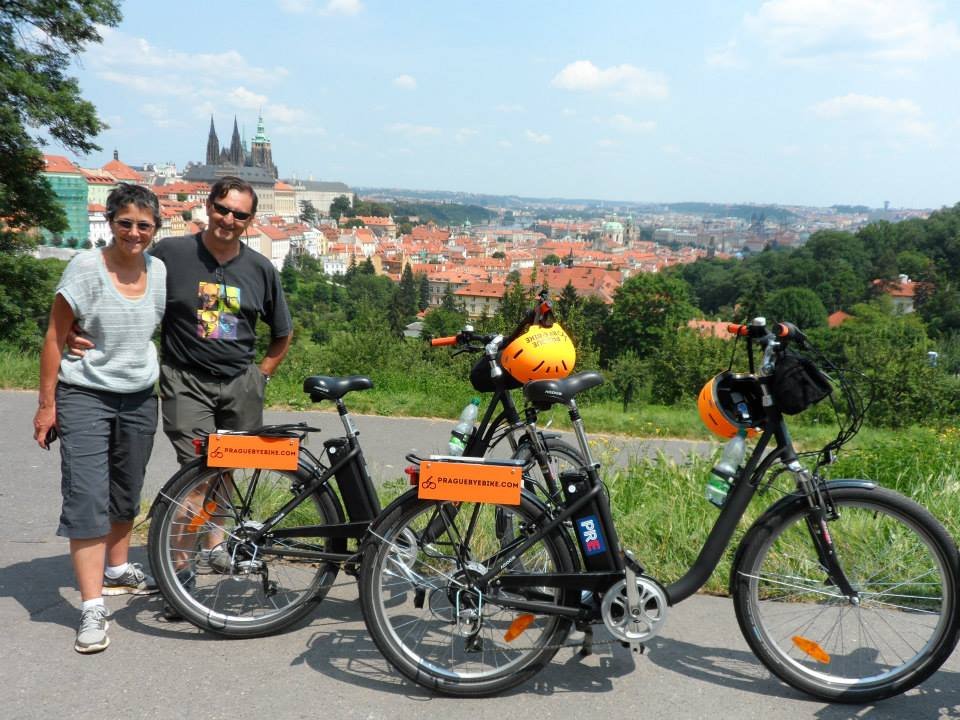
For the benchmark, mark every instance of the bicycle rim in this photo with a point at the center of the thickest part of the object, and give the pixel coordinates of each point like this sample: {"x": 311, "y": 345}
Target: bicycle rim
{"x": 432, "y": 625}
{"x": 813, "y": 637}
{"x": 224, "y": 584}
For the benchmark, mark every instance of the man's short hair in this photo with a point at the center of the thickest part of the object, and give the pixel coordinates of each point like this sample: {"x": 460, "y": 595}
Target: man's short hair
{"x": 128, "y": 194}
{"x": 231, "y": 182}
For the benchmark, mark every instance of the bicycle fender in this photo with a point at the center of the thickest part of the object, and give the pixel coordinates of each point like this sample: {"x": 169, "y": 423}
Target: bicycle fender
{"x": 787, "y": 501}
{"x": 191, "y": 466}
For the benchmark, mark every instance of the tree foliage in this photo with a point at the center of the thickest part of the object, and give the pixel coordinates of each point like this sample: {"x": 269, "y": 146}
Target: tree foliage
{"x": 37, "y": 40}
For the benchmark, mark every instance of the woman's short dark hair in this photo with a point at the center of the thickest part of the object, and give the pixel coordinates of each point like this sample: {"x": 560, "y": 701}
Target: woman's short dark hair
{"x": 127, "y": 194}
{"x": 231, "y": 182}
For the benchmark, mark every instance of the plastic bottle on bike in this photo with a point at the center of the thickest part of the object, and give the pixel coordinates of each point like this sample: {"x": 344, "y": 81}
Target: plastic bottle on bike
{"x": 460, "y": 435}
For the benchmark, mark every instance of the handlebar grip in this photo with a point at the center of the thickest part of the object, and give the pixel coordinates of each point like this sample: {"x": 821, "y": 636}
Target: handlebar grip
{"x": 789, "y": 331}
{"x": 742, "y": 330}
{"x": 437, "y": 342}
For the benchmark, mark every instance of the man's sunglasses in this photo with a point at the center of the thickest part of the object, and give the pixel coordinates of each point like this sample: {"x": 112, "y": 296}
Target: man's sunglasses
{"x": 130, "y": 224}
{"x": 224, "y": 210}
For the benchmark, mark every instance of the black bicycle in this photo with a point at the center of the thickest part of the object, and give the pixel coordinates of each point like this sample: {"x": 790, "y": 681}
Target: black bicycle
{"x": 843, "y": 589}
{"x": 246, "y": 551}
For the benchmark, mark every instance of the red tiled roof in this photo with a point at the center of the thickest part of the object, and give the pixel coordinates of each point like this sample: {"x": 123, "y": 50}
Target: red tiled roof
{"x": 838, "y": 318}
{"x": 122, "y": 171}
{"x": 59, "y": 164}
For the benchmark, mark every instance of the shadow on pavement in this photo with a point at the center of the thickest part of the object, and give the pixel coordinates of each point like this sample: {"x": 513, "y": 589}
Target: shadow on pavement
{"x": 937, "y": 697}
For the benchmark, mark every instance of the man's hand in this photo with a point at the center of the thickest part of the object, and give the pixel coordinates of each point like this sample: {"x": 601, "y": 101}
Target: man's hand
{"x": 45, "y": 419}
{"x": 78, "y": 344}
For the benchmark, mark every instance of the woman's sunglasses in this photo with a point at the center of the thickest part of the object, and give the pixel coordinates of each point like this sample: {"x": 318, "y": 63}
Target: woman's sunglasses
{"x": 130, "y": 224}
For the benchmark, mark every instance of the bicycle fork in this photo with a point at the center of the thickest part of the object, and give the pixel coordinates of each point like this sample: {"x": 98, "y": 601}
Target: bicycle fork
{"x": 816, "y": 519}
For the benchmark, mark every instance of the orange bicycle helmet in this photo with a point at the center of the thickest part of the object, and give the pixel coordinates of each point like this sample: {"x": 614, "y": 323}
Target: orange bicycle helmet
{"x": 540, "y": 353}
{"x": 731, "y": 402}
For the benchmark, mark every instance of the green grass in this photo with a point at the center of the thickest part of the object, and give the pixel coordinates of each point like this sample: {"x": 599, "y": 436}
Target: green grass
{"x": 19, "y": 370}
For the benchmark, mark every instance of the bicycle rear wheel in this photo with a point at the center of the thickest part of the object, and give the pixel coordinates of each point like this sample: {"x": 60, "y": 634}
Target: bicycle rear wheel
{"x": 215, "y": 579}
{"x": 427, "y": 618}
{"x": 560, "y": 456}
{"x": 899, "y": 630}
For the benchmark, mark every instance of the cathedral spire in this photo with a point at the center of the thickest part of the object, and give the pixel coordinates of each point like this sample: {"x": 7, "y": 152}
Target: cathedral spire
{"x": 213, "y": 146}
{"x": 236, "y": 148}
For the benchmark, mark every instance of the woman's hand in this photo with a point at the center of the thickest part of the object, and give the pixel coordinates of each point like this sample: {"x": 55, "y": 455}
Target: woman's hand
{"x": 45, "y": 419}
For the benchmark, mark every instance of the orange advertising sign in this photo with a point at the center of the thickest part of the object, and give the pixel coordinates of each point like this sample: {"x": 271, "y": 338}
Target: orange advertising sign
{"x": 470, "y": 482}
{"x": 253, "y": 451}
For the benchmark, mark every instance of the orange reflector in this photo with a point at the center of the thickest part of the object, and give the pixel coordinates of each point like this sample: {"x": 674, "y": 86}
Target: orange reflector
{"x": 201, "y": 517}
{"x": 517, "y": 627}
{"x": 812, "y": 649}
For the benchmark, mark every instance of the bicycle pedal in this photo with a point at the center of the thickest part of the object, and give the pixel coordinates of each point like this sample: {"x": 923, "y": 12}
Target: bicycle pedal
{"x": 418, "y": 597}
{"x": 635, "y": 647}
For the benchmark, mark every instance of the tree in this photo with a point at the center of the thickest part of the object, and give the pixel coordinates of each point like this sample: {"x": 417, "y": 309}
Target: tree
{"x": 423, "y": 296}
{"x": 499, "y": 255}
{"x": 801, "y": 306}
{"x": 647, "y": 309}
{"x": 407, "y": 294}
{"x": 552, "y": 259}
{"x": 37, "y": 40}
{"x": 340, "y": 206}
{"x": 308, "y": 213}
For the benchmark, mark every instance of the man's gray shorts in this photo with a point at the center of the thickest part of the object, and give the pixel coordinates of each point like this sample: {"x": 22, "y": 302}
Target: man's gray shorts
{"x": 106, "y": 440}
{"x": 193, "y": 400}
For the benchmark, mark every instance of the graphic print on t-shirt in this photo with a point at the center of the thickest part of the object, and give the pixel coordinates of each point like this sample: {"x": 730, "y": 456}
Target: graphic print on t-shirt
{"x": 218, "y": 310}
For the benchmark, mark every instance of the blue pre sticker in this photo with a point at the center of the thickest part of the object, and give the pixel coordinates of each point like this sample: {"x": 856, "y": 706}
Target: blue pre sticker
{"x": 590, "y": 535}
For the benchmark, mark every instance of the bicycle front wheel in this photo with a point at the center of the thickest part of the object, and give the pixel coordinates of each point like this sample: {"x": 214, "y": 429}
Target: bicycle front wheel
{"x": 432, "y": 623}
{"x": 898, "y": 630}
{"x": 210, "y": 573}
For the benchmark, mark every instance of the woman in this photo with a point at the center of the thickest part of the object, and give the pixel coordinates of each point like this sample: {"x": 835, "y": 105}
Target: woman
{"x": 103, "y": 405}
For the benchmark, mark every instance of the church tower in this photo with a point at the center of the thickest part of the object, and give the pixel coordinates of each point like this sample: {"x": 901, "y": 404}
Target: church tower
{"x": 213, "y": 146}
{"x": 236, "y": 148}
{"x": 260, "y": 153}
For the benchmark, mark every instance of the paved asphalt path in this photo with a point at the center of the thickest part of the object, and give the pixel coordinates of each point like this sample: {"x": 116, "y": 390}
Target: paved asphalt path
{"x": 326, "y": 667}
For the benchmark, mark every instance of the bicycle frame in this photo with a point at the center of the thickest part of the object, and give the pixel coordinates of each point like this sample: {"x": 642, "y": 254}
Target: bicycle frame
{"x": 746, "y": 484}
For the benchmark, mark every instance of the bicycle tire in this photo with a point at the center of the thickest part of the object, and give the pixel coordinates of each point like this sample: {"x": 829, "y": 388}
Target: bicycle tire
{"x": 250, "y": 596}
{"x": 443, "y": 639}
{"x": 894, "y": 553}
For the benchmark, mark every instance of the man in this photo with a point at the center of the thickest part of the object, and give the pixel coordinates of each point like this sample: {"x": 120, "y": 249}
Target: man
{"x": 217, "y": 288}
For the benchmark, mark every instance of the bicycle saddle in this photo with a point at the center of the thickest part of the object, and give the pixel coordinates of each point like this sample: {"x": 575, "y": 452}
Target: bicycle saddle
{"x": 550, "y": 392}
{"x": 327, "y": 387}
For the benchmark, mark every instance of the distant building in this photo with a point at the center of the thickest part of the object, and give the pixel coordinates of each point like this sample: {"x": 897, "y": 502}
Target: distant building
{"x": 320, "y": 194}
{"x": 255, "y": 166}
{"x": 70, "y": 186}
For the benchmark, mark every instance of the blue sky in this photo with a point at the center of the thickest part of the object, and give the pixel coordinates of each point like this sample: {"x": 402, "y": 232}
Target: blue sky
{"x": 810, "y": 102}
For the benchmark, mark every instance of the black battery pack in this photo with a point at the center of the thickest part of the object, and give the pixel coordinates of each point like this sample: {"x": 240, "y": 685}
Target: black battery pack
{"x": 356, "y": 489}
{"x": 596, "y": 548}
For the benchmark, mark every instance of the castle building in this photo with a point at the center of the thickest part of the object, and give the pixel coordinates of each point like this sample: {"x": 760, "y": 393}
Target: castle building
{"x": 255, "y": 166}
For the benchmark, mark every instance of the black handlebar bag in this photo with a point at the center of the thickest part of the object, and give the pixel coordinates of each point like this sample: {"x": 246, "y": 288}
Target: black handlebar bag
{"x": 798, "y": 383}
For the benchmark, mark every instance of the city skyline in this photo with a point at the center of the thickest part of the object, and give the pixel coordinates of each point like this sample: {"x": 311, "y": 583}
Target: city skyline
{"x": 786, "y": 101}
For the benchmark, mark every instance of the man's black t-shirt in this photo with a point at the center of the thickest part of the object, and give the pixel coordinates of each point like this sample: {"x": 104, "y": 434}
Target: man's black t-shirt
{"x": 212, "y": 309}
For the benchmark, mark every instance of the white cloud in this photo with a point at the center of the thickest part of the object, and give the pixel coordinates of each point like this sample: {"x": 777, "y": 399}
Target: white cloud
{"x": 121, "y": 52}
{"x": 625, "y": 81}
{"x": 411, "y": 130}
{"x": 331, "y": 7}
{"x": 538, "y": 138}
{"x": 726, "y": 56}
{"x": 625, "y": 123}
{"x": 821, "y": 31}
{"x": 160, "y": 114}
{"x": 904, "y": 118}
{"x": 405, "y": 82}
{"x": 241, "y": 97}
{"x": 464, "y": 134}
{"x": 134, "y": 63}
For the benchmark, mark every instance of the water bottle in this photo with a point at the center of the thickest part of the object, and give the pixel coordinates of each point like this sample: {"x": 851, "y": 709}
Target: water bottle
{"x": 732, "y": 455}
{"x": 460, "y": 435}
{"x": 718, "y": 484}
